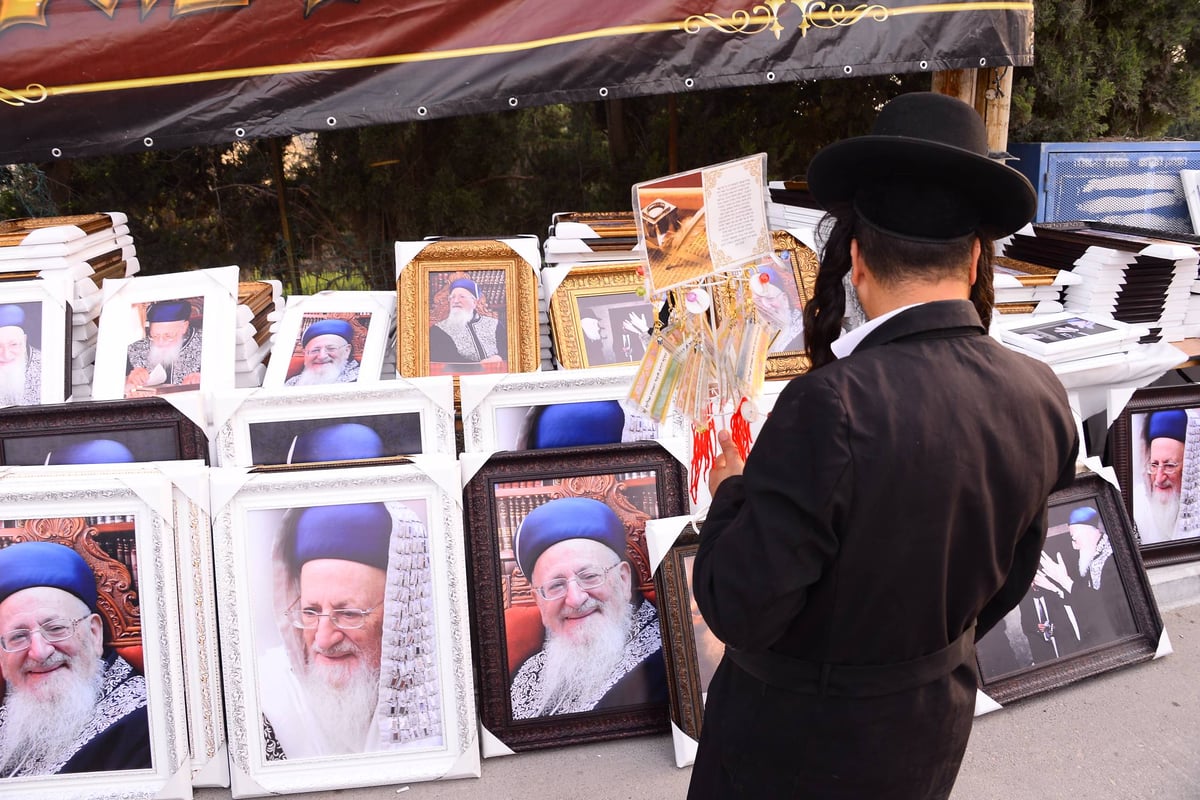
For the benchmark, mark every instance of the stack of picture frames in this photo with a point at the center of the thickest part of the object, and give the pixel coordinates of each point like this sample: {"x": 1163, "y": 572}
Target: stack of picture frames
{"x": 338, "y": 532}
{"x": 544, "y": 514}
{"x": 141, "y": 533}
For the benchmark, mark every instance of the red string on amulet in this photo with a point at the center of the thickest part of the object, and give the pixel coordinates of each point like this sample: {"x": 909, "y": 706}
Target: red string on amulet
{"x": 739, "y": 430}
{"x": 704, "y": 450}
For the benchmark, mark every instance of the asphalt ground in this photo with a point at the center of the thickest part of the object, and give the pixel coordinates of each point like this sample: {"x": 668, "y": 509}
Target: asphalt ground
{"x": 1129, "y": 734}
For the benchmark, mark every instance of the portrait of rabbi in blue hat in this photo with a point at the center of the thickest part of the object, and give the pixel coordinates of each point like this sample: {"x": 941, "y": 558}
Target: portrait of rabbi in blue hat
{"x": 1160, "y": 481}
{"x": 170, "y": 352}
{"x": 466, "y": 339}
{"x": 328, "y": 346}
{"x": 1089, "y": 583}
{"x": 602, "y": 647}
{"x": 324, "y": 687}
{"x": 20, "y": 362}
{"x": 70, "y": 703}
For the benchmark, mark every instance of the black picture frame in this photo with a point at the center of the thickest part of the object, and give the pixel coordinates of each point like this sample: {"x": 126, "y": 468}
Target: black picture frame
{"x": 602, "y": 472}
{"x": 688, "y": 669}
{"x": 152, "y": 429}
{"x": 1122, "y": 631}
{"x": 1127, "y": 455}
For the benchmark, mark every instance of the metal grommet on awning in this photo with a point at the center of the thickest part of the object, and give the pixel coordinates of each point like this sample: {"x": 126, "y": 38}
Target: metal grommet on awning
{"x": 603, "y": 91}
{"x": 148, "y": 141}
{"x": 983, "y": 62}
{"x": 331, "y": 121}
{"x": 422, "y": 111}
{"x": 688, "y": 82}
{"x": 771, "y": 76}
{"x": 239, "y": 132}
{"x": 512, "y": 102}
{"x": 56, "y": 152}
{"x": 924, "y": 65}
{"x": 847, "y": 69}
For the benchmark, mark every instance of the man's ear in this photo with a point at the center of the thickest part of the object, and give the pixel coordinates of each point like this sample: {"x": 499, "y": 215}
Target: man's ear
{"x": 857, "y": 265}
{"x": 626, "y": 574}
{"x": 97, "y": 633}
{"x": 976, "y": 249}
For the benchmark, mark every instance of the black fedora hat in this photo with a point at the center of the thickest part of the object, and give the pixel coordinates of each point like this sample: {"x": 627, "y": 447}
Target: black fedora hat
{"x": 924, "y": 173}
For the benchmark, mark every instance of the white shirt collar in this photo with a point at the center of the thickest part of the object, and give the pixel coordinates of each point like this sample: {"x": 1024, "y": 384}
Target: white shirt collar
{"x": 846, "y": 344}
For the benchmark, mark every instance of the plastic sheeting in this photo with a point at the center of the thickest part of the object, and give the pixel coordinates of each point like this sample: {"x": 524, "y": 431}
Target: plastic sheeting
{"x": 84, "y": 78}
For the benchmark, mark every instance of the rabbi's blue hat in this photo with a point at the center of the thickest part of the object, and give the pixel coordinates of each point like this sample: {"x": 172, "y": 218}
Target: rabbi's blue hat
{"x": 343, "y": 442}
{"x": 338, "y": 327}
{"x": 465, "y": 283}
{"x": 1170, "y": 424}
{"x": 25, "y": 565}
{"x": 575, "y": 424}
{"x": 12, "y": 315}
{"x": 563, "y": 519}
{"x": 92, "y": 451}
{"x": 357, "y": 532}
{"x": 169, "y": 311}
{"x": 1085, "y": 515}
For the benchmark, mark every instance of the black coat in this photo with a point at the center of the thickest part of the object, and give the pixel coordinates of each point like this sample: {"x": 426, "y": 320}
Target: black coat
{"x": 894, "y": 499}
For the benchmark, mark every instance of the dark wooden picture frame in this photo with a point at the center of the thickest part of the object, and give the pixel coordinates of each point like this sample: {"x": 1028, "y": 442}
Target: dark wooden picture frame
{"x": 604, "y": 472}
{"x": 150, "y": 427}
{"x": 1082, "y": 645}
{"x": 1129, "y": 455}
{"x": 687, "y": 673}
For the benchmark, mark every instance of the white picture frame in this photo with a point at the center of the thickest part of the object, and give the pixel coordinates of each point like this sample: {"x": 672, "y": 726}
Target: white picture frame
{"x": 249, "y": 513}
{"x": 198, "y": 622}
{"x": 1068, "y": 335}
{"x": 213, "y": 294}
{"x": 256, "y": 427}
{"x": 72, "y": 504}
{"x": 377, "y": 309}
{"x": 44, "y": 304}
{"x": 494, "y": 407}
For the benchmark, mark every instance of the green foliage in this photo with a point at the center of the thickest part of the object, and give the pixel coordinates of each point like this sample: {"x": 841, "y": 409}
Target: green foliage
{"x": 1110, "y": 68}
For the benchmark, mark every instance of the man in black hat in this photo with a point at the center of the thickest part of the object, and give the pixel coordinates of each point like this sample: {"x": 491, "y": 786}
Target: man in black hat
{"x": 894, "y": 507}
{"x": 170, "y": 352}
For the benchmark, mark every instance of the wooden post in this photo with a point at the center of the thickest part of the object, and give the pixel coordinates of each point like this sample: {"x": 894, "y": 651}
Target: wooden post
{"x": 281, "y": 198}
{"x": 989, "y": 91}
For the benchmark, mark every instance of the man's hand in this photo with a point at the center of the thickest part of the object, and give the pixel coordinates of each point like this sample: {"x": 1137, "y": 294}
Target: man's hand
{"x": 728, "y": 462}
{"x": 493, "y": 360}
{"x": 636, "y": 323}
{"x": 1057, "y": 572}
{"x": 136, "y": 379}
{"x": 191, "y": 379}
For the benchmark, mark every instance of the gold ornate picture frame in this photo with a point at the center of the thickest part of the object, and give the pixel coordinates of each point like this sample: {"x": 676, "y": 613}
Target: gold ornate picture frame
{"x": 506, "y": 289}
{"x": 597, "y": 317}
{"x": 786, "y": 358}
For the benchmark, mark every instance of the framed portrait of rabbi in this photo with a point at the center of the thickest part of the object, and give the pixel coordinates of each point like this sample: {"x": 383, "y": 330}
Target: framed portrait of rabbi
{"x": 565, "y": 621}
{"x": 93, "y": 689}
{"x": 467, "y": 307}
{"x": 167, "y": 335}
{"x": 1156, "y": 455}
{"x": 34, "y": 335}
{"x": 331, "y": 339}
{"x": 342, "y": 663}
